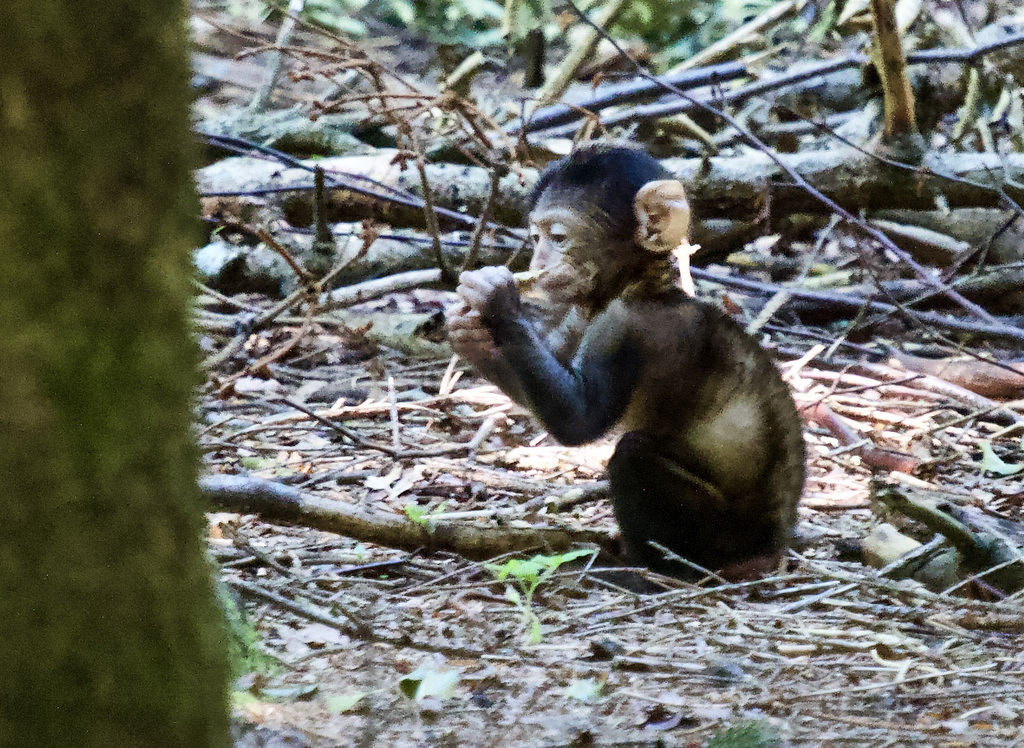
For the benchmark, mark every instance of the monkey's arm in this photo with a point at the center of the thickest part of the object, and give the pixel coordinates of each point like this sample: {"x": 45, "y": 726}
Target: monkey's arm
{"x": 576, "y": 403}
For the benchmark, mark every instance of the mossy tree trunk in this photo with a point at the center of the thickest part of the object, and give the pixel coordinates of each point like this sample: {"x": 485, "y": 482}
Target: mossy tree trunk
{"x": 109, "y": 630}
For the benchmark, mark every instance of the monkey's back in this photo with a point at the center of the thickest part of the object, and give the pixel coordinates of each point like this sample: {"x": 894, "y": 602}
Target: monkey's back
{"x": 713, "y": 401}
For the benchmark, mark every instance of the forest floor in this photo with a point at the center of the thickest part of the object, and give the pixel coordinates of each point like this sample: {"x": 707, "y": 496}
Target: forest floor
{"x": 361, "y": 644}
{"x": 826, "y": 652}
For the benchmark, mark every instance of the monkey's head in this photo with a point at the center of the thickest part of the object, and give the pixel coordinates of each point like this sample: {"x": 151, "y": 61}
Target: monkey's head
{"x": 584, "y": 217}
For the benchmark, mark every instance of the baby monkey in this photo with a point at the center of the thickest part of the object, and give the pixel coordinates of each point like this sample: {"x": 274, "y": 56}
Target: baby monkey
{"x": 712, "y": 462}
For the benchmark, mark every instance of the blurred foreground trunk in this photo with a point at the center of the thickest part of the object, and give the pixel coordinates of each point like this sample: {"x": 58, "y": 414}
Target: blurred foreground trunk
{"x": 109, "y": 630}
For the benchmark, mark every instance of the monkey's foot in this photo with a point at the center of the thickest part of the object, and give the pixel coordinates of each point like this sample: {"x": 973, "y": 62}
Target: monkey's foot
{"x": 754, "y": 568}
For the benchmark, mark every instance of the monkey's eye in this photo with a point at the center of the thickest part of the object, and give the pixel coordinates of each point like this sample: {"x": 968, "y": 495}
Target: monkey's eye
{"x": 558, "y": 233}
{"x": 534, "y": 234}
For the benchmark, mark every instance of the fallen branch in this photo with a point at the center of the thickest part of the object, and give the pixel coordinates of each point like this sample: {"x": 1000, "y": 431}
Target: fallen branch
{"x": 994, "y": 284}
{"x": 989, "y": 379}
{"x": 987, "y": 543}
{"x": 854, "y": 304}
{"x": 864, "y": 373}
{"x": 279, "y": 503}
{"x": 627, "y": 94}
{"x": 378, "y": 287}
{"x": 579, "y": 52}
{"x": 955, "y": 392}
{"x": 722, "y": 187}
{"x": 870, "y": 455}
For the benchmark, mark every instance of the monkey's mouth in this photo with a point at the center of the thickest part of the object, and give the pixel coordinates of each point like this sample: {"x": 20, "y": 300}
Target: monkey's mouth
{"x": 558, "y": 282}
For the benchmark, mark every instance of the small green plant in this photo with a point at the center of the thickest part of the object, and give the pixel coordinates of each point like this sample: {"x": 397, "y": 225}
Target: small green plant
{"x": 752, "y": 734}
{"x": 244, "y": 652}
{"x": 587, "y": 690}
{"x": 423, "y": 516}
{"x": 529, "y": 574}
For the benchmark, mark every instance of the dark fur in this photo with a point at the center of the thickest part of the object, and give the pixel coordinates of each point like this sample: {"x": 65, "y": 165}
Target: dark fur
{"x": 606, "y": 178}
{"x": 712, "y": 464}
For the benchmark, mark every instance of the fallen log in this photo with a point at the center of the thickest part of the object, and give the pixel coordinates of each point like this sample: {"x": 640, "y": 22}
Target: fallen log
{"x": 276, "y": 502}
{"x": 733, "y": 187}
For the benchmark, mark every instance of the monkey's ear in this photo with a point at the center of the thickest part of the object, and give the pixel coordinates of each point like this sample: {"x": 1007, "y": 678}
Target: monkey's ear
{"x": 663, "y": 214}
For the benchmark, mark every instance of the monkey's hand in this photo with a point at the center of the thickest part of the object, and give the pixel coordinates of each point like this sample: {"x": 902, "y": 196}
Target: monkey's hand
{"x": 491, "y": 292}
{"x": 483, "y": 294}
{"x": 468, "y": 336}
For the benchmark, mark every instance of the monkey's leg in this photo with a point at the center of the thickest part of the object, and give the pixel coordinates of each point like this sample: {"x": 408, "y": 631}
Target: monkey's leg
{"x": 658, "y": 498}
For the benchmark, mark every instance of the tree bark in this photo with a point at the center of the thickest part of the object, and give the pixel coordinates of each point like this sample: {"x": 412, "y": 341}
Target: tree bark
{"x": 109, "y": 630}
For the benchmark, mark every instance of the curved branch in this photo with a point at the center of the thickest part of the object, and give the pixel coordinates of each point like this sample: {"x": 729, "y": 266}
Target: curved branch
{"x": 279, "y": 503}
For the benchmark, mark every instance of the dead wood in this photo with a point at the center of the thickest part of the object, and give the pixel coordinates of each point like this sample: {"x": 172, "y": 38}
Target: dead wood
{"x": 374, "y": 289}
{"x": 837, "y": 83}
{"x": 998, "y": 232}
{"x": 397, "y": 260}
{"x": 940, "y": 386}
{"x": 734, "y": 187}
{"x": 876, "y": 457}
{"x": 629, "y": 93}
{"x": 1002, "y": 380}
{"x": 837, "y": 303}
{"x": 280, "y": 503}
{"x": 998, "y": 288}
{"x": 855, "y": 180}
{"x": 990, "y": 546}
{"x": 580, "y": 51}
{"x": 892, "y": 69}
{"x": 858, "y": 373}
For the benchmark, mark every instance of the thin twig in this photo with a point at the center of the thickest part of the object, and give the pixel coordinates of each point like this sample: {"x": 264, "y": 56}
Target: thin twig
{"x": 472, "y": 258}
{"x": 852, "y": 302}
{"x": 447, "y": 276}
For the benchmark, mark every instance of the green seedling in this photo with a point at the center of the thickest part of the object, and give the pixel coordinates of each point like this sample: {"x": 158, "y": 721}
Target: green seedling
{"x": 423, "y": 515}
{"x": 528, "y": 575}
{"x": 427, "y": 682}
{"x": 752, "y": 734}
